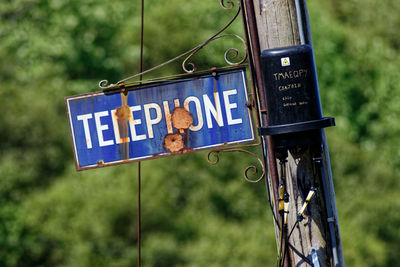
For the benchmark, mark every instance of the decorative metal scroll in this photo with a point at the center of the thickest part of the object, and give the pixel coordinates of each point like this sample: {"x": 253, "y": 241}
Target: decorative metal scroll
{"x": 229, "y": 51}
{"x": 254, "y": 169}
{"x": 189, "y": 67}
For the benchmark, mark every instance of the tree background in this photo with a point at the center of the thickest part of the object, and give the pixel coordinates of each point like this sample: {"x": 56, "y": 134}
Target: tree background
{"x": 194, "y": 214}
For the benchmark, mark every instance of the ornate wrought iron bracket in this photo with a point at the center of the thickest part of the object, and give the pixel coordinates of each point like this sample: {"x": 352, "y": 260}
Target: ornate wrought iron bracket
{"x": 234, "y": 52}
{"x": 229, "y": 55}
{"x": 254, "y": 169}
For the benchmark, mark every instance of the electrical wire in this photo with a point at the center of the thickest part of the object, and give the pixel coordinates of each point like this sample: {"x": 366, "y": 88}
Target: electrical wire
{"x": 283, "y": 211}
{"x": 139, "y": 166}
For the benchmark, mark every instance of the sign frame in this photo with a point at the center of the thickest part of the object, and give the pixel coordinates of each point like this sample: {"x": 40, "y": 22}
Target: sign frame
{"x": 130, "y": 92}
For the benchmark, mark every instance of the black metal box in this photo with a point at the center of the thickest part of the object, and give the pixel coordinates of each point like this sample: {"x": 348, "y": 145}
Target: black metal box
{"x": 291, "y": 89}
{"x": 290, "y": 85}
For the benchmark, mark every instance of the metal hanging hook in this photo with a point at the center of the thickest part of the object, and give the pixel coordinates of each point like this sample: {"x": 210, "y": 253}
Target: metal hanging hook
{"x": 104, "y": 84}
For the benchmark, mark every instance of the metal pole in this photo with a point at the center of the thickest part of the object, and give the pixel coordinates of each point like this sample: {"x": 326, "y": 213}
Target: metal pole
{"x": 268, "y": 153}
{"x": 139, "y": 166}
{"x": 326, "y": 172}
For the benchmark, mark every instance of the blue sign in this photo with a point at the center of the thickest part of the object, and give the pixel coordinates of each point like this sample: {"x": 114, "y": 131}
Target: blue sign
{"x": 159, "y": 119}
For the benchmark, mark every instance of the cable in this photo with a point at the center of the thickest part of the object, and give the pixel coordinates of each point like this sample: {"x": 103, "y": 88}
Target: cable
{"x": 302, "y": 209}
{"x": 283, "y": 210}
{"x": 139, "y": 168}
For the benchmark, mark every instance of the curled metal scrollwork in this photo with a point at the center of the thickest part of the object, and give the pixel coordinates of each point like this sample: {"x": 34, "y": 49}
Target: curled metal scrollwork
{"x": 235, "y": 51}
{"x": 252, "y": 168}
{"x": 190, "y": 67}
{"x": 227, "y": 53}
{"x": 104, "y": 84}
{"x": 231, "y": 4}
{"x": 193, "y": 67}
{"x": 235, "y": 55}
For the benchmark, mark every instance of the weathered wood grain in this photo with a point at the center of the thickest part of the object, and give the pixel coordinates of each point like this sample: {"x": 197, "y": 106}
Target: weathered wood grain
{"x": 277, "y": 27}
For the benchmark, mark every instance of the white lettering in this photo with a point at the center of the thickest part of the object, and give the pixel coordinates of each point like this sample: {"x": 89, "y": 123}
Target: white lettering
{"x": 149, "y": 121}
{"x": 102, "y": 127}
{"x": 132, "y": 124}
{"x": 215, "y": 111}
{"x": 229, "y": 106}
{"x": 85, "y": 118}
{"x": 167, "y": 117}
{"x": 198, "y": 110}
{"x": 117, "y": 134}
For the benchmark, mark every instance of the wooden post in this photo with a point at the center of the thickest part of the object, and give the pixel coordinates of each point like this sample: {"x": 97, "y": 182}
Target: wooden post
{"x": 281, "y": 23}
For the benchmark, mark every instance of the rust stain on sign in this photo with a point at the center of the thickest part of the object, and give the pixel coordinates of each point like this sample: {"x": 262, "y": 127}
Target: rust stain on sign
{"x": 181, "y": 118}
{"x": 174, "y": 142}
{"x": 123, "y": 115}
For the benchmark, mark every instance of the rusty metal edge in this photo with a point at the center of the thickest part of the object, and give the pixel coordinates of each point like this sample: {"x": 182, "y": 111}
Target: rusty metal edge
{"x": 254, "y": 44}
{"x": 70, "y": 134}
{"x": 270, "y": 157}
{"x": 173, "y": 78}
{"x": 154, "y": 83}
{"x": 162, "y": 155}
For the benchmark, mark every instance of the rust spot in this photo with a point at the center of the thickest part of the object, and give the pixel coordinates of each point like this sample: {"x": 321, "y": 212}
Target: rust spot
{"x": 123, "y": 112}
{"x": 181, "y": 118}
{"x": 173, "y": 142}
{"x": 187, "y": 150}
{"x": 168, "y": 121}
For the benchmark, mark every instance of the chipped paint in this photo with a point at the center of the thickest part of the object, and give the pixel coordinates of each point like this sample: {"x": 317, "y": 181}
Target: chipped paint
{"x": 174, "y": 142}
{"x": 123, "y": 114}
{"x": 181, "y": 118}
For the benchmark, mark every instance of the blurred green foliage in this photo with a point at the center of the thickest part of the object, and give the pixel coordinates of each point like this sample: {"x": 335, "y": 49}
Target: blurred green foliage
{"x": 194, "y": 214}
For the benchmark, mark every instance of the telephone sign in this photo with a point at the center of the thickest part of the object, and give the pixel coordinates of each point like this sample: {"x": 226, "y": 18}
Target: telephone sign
{"x": 159, "y": 119}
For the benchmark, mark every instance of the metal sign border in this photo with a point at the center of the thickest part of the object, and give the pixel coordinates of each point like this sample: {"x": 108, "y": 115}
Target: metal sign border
{"x": 161, "y": 155}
